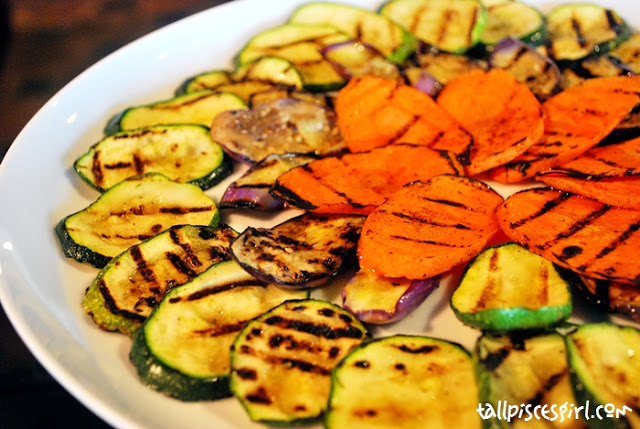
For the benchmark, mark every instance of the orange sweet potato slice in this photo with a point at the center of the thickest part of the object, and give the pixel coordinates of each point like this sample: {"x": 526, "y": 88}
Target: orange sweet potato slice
{"x": 503, "y": 116}
{"x": 428, "y": 228}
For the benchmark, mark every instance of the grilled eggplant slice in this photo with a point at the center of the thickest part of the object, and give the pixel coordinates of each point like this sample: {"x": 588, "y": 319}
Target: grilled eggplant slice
{"x": 183, "y": 349}
{"x": 194, "y": 108}
{"x": 300, "y": 44}
{"x": 286, "y": 125}
{"x": 260, "y": 75}
{"x": 452, "y": 26}
{"x": 380, "y": 300}
{"x": 524, "y": 371}
{"x": 281, "y": 362}
{"x": 604, "y": 364}
{"x": 404, "y": 382}
{"x": 592, "y": 67}
{"x": 433, "y": 69}
{"x": 251, "y": 191}
{"x": 133, "y": 210}
{"x": 126, "y": 290}
{"x": 528, "y": 66}
{"x": 183, "y": 153}
{"x": 614, "y": 297}
{"x": 508, "y": 288}
{"x": 369, "y": 27}
{"x": 304, "y": 251}
{"x": 579, "y": 30}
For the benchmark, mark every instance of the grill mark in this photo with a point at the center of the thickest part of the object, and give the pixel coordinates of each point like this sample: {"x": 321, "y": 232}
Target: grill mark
{"x": 141, "y": 265}
{"x": 316, "y": 329}
{"x": 138, "y": 163}
{"x": 226, "y": 329}
{"x": 332, "y": 189}
{"x": 493, "y": 360}
{"x": 259, "y": 396}
{"x": 186, "y": 103}
{"x": 96, "y": 169}
{"x": 184, "y": 210}
{"x": 448, "y": 203}
{"x": 548, "y": 385}
{"x": 415, "y": 23}
{"x": 575, "y": 24}
{"x": 201, "y": 294}
{"x": 418, "y": 350}
{"x": 548, "y": 206}
{"x": 404, "y": 130}
{"x": 442, "y": 31}
{"x": 425, "y": 221}
{"x": 113, "y": 308}
{"x": 633, "y": 228}
{"x": 577, "y": 226}
{"x": 180, "y": 265}
{"x": 190, "y": 257}
{"x": 288, "y": 195}
{"x": 436, "y": 243}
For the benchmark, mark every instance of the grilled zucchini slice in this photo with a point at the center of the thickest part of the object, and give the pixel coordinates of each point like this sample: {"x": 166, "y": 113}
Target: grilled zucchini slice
{"x": 126, "y": 290}
{"x": 300, "y": 44}
{"x": 404, "y": 382}
{"x": 183, "y": 348}
{"x": 369, "y": 27}
{"x": 197, "y": 107}
{"x": 262, "y": 74}
{"x": 513, "y": 18}
{"x": 525, "y": 371}
{"x": 604, "y": 362}
{"x": 131, "y": 211}
{"x": 578, "y": 30}
{"x": 281, "y": 362}
{"x": 507, "y": 288}
{"x": 304, "y": 251}
{"x": 453, "y": 26}
{"x": 183, "y": 153}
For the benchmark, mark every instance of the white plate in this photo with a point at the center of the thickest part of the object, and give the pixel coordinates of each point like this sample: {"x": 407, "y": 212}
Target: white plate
{"x": 41, "y": 291}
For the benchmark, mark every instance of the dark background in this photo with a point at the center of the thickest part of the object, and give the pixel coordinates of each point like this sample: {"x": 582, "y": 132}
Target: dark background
{"x": 44, "y": 44}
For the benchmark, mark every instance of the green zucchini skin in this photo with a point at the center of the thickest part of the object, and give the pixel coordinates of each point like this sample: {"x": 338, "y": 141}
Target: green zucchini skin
{"x": 507, "y": 288}
{"x": 155, "y": 374}
{"x": 372, "y": 28}
{"x": 183, "y": 348}
{"x": 404, "y": 382}
{"x": 516, "y": 19}
{"x": 131, "y": 212}
{"x": 167, "y": 149}
{"x": 604, "y": 363}
{"x": 125, "y": 291}
{"x": 281, "y": 361}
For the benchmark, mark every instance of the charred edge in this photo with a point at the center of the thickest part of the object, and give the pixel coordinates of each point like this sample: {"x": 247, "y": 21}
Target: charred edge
{"x": 576, "y": 227}
{"x": 113, "y": 308}
{"x": 548, "y": 206}
{"x": 435, "y": 243}
{"x": 426, "y": 221}
{"x": 316, "y": 329}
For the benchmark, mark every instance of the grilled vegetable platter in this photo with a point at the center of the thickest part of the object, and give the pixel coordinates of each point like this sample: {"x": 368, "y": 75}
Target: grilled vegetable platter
{"x": 377, "y": 215}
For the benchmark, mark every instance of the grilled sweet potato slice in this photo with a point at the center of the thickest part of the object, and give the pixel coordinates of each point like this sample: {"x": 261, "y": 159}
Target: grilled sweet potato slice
{"x": 374, "y": 111}
{"x": 503, "y": 116}
{"x": 357, "y": 183}
{"x": 609, "y": 174}
{"x": 575, "y": 121}
{"x": 427, "y": 228}
{"x": 584, "y": 235}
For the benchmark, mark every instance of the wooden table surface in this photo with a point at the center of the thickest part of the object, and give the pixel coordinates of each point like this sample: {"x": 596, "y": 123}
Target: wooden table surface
{"x": 44, "y": 45}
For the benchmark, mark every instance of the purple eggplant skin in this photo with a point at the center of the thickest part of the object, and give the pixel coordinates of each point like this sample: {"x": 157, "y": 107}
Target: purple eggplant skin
{"x": 253, "y": 198}
{"x": 540, "y": 73}
{"x": 285, "y": 125}
{"x": 252, "y": 190}
{"x": 302, "y": 252}
{"x": 378, "y": 300}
